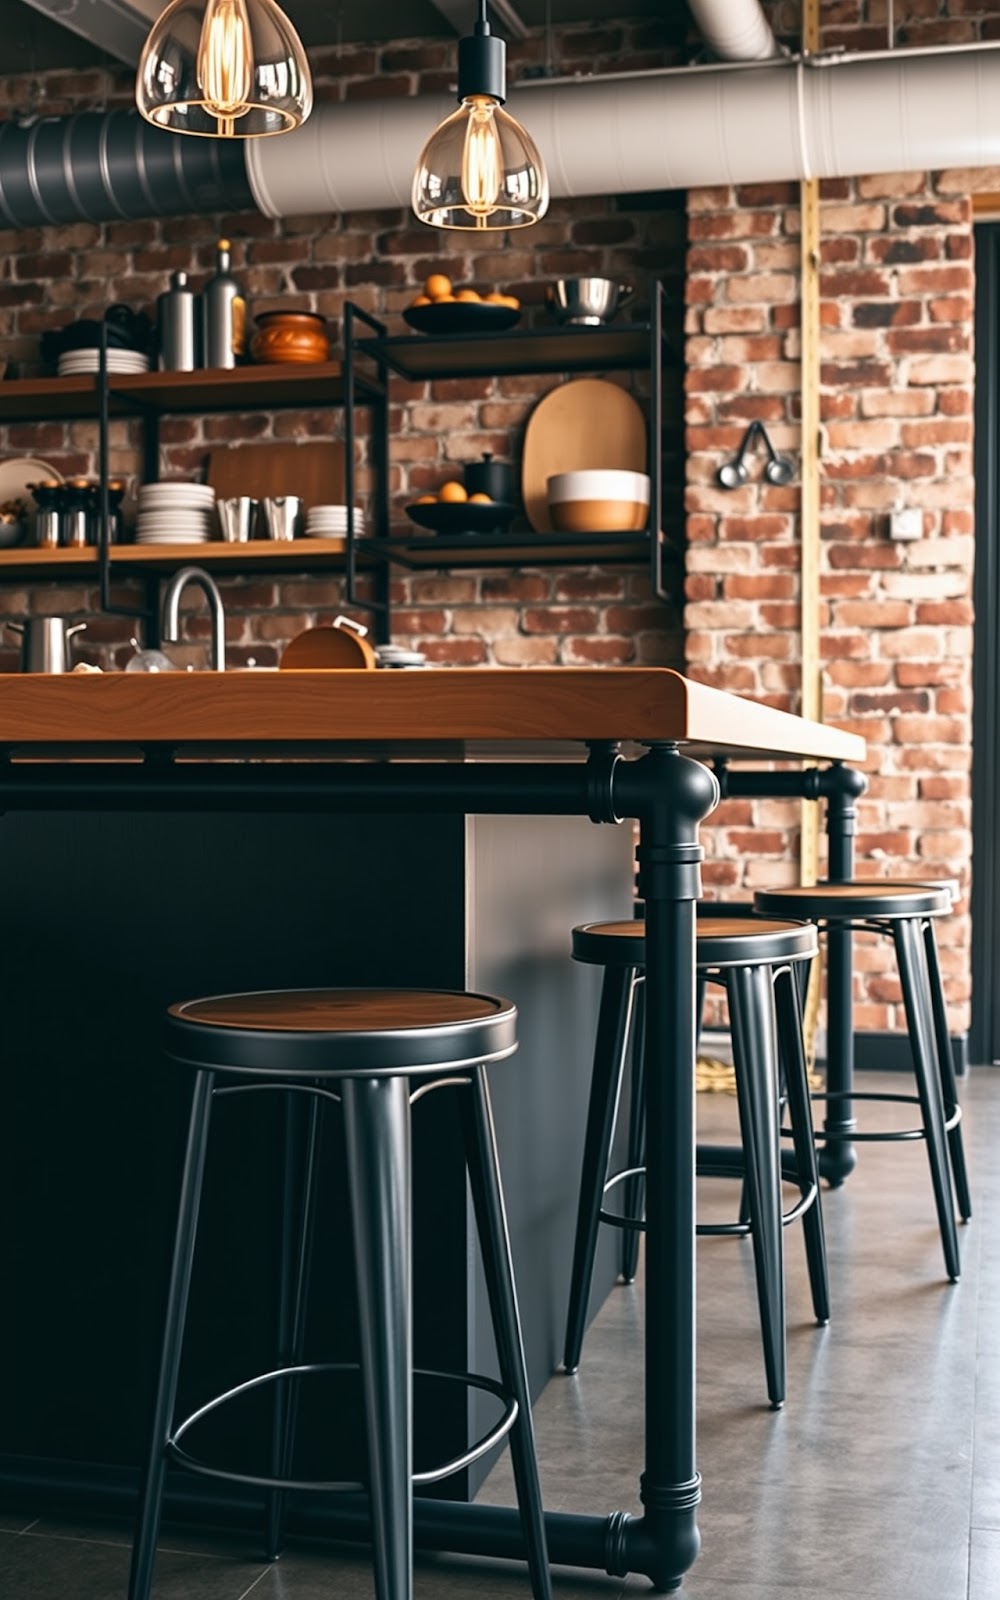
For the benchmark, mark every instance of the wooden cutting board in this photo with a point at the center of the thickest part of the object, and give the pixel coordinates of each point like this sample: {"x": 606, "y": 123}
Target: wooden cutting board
{"x": 313, "y": 471}
{"x": 587, "y": 423}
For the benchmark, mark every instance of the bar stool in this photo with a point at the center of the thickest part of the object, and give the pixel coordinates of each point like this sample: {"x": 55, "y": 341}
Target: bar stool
{"x": 376, "y": 1046}
{"x": 904, "y": 912}
{"x": 754, "y": 961}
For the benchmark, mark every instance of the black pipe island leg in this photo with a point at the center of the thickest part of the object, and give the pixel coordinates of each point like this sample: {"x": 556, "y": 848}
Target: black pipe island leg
{"x": 672, "y": 795}
{"x": 838, "y": 1157}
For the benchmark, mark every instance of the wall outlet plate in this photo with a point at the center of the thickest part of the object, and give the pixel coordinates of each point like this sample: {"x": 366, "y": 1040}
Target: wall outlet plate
{"x": 908, "y": 524}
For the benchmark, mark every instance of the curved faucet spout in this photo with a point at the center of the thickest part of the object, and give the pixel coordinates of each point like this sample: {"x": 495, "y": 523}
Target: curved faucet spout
{"x": 170, "y": 631}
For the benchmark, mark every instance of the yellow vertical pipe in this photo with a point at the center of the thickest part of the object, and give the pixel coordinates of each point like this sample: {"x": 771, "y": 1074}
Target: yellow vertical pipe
{"x": 811, "y": 699}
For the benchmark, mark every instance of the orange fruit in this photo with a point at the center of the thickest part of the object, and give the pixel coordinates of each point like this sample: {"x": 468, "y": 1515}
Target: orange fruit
{"x": 495, "y": 298}
{"x": 438, "y": 287}
{"x": 480, "y": 499}
{"x": 426, "y": 500}
{"x": 421, "y": 300}
{"x": 510, "y": 300}
{"x": 467, "y": 294}
{"x": 452, "y": 493}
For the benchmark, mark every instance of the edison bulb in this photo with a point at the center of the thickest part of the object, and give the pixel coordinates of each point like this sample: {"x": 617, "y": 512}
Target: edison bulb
{"x": 480, "y": 170}
{"x": 225, "y": 59}
{"x": 482, "y": 158}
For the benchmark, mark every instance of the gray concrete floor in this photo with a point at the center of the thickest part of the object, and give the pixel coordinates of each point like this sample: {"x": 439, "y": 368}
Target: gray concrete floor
{"x": 880, "y": 1479}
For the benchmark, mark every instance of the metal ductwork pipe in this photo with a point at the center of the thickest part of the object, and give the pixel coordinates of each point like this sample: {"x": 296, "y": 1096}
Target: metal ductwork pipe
{"x": 99, "y": 166}
{"x": 735, "y": 30}
{"x": 823, "y": 117}
{"x": 834, "y": 116}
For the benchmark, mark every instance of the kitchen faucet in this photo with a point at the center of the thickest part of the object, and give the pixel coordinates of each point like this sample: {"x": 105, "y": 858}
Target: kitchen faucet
{"x": 171, "y": 611}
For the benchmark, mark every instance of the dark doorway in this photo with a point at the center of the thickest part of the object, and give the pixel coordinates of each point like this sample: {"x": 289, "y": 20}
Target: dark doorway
{"x": 984, "y": 1036}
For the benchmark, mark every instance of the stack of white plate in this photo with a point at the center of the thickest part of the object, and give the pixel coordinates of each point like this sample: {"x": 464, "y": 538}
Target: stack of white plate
{"x": 175, "y": 513}
{"x": 73, "y": 362}
{"x": 330, "y": 522}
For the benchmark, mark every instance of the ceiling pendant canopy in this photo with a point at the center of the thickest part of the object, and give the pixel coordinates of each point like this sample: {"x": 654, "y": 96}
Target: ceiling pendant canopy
{"x": 224, "y": 69}
{"x": 480, "y": 169}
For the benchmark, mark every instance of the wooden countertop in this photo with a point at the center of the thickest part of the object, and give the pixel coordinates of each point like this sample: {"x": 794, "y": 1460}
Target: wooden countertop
{"x": 407, "y": 708}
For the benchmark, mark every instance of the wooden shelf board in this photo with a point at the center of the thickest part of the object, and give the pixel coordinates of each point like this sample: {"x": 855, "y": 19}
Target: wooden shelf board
{"x": 251, "y": 388}
{"x": 295, "y": 555}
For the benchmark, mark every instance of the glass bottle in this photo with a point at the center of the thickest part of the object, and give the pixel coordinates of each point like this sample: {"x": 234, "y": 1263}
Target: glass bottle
{"x": 223, "y": 315}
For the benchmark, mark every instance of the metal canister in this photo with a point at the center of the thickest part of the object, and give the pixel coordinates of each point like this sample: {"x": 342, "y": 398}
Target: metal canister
{"x": 177, "y": 326}
{"x": 48, "y": 498}
{"x": 75, "y": 518}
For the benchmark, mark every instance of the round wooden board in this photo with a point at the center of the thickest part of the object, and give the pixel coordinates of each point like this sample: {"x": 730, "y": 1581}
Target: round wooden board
{"x": 583, "y": 424}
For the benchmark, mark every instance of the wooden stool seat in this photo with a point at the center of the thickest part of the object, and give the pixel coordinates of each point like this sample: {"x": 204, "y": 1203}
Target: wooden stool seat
{"x": 722, "y": 941}
{"x": 854, "y": 902}
{"x": 341, "y": 1032}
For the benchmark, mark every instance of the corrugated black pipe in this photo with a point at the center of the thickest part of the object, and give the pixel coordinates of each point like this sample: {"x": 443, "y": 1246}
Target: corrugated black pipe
{"x": 99, "y": 166}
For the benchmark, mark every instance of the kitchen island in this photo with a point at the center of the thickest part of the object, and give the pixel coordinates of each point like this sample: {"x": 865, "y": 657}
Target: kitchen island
{"x": 369, "y": 770}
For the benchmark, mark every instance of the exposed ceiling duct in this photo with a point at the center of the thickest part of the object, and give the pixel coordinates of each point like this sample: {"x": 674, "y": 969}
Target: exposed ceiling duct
{"x": 735, "y": 30}
{"x": 832, "y": 116}
{"x": 102, "y": 165}
{"x": 823, "y": 117}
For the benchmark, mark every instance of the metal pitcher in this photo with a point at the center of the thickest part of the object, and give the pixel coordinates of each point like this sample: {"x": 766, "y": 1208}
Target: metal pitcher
{"x": 282, "y": 517}
{"x": 45, "y": 643}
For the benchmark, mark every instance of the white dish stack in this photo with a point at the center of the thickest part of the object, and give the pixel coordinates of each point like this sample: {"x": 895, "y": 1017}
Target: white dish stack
{"x": 330, "y": 522}
{"x": 175, "y": 513}
{"x": 73, "y": 362}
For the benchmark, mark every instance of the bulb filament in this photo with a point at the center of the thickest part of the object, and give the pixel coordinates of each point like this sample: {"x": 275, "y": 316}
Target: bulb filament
{"x": 482, "y": 157}
{"x": 225, "y": 61}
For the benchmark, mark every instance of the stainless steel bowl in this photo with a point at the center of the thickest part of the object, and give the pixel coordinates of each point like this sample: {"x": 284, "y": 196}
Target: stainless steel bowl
{"x": 586, "y": 300}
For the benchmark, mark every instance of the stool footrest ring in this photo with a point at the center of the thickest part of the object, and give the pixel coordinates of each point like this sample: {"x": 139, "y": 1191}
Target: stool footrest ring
{"x": 853, "y": 1135}
{"x": 472, "y": 1380}
{"x": 727, "y": 1165}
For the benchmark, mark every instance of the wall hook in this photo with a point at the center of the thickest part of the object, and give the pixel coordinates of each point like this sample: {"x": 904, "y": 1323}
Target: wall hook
{"x": 777, "y": 469}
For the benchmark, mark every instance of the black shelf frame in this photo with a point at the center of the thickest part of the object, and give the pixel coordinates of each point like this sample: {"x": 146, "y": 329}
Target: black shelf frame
{"x": 624, "y": 347}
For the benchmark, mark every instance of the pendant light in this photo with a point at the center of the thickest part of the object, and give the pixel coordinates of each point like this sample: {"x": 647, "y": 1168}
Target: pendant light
{"x": 480, "y": 169}
{"x": 224, "y": 69}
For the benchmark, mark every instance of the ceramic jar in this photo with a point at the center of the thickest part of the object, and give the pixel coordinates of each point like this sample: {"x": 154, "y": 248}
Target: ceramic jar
{"x": 298, "y": 336}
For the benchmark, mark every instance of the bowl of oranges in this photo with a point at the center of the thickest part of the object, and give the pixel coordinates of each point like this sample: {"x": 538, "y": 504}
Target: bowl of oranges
{"x": 454, "y": 510}
{"x": 442, "y": 308}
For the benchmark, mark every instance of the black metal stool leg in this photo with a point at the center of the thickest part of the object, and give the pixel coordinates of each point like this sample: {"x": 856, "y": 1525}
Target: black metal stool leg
{"x": 298, "y": 1215}
{"x": 910, "y": 957}
{"x": 491, "y": 1218}
{"x": 793, "y": 1057}
{"x": 751, "y": 1015}
{"x": 377, "y": 1124}
{"x": 151, "y": 1497}
{"x": 634, "y": 1198}
{"x": 949, "y": 1087}
{"x": 605, "y": 1083}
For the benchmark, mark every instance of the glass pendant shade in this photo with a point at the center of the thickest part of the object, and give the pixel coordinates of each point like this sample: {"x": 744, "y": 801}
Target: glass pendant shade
{"x": 224, "y": 69}
{"x": 480, "y": 169}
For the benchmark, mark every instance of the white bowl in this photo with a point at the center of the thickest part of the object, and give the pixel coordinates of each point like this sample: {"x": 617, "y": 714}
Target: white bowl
{"x": 607, "y": 483}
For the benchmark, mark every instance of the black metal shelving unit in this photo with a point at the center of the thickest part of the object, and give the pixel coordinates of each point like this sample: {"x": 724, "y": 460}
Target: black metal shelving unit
{"x": 626, "y": 347}
{"x": 146, "y": 397}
